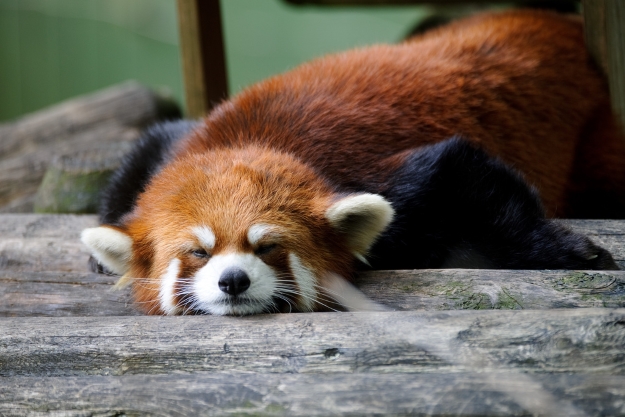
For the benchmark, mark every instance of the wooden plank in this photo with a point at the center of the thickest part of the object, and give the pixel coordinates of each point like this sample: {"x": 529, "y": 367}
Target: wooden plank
{"x": 58, "y": 248}
{"x": 563, "y": 341}
{"x": 203, "y": 56}
{"x": 53, "y": 294}
{"x": 44, "y": 272}
{"x": 434, "y": 394}
{"x": 32, "y": 242}
{"x": 467, "y": 289}
{"x": 605, "y": 36}
{"x": 58, "y": 294}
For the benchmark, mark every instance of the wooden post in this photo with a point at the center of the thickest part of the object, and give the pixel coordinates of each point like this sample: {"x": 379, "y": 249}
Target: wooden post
{"x": 203, "y": 57}
{"x": 605, "y": 36}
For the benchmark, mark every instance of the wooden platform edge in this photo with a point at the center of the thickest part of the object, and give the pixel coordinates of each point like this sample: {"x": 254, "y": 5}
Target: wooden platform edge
{"x": 435, "y": 394}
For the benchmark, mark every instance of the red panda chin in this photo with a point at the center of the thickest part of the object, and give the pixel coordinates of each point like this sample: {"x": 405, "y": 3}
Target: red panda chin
{"x": 245, "y": 231}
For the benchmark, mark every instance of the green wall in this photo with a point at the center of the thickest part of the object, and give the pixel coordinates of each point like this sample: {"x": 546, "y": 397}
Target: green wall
{"x": 51, "y": 50}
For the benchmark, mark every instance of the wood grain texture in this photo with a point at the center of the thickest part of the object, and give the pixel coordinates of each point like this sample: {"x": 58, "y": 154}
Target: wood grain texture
{"x": 66, "y": 230}
{"x": 32, "y": 242}
{"x": 92, "y": 122}
{"x": 26, "y": 294}
{"x": 128, "y": 104}
{"x": 434, "y": 394}
{"x": 562, "y": 341}
{"x": 44, "y": 272}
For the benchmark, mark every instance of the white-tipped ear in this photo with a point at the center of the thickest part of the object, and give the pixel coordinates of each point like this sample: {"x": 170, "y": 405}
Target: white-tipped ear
{"x": 111, "y": 247}
{"x": 361, "y": 217}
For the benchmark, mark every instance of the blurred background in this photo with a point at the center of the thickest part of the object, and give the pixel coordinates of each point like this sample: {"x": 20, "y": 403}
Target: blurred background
{"x": 56, "y": 158}
{"x": 52, "y": 50}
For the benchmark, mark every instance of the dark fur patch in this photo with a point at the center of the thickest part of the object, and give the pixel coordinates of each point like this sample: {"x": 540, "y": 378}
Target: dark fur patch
{"x": 146, "y": 158}
{"x": 455, "y": 204}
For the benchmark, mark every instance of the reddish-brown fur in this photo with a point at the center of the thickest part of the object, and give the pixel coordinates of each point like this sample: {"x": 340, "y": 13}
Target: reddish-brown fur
{"x": 521, "y": 84}
{"x": 231, "y": 190}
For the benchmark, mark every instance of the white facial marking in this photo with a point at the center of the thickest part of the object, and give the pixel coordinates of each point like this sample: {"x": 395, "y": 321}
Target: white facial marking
{"x": 256, "y": 299}
{"x": 306, "y": 281}
{"x": 257, "y": 231}
{"x": 205, "y": 235}
{"x": 168, "y": 285}
{"x": 349, "y": 296}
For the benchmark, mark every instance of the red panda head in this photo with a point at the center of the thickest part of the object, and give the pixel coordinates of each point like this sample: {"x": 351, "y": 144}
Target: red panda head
{"x": 238, "y": 231}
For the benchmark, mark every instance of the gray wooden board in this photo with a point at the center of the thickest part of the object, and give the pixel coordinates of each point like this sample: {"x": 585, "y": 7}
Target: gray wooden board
{"x": 557, "y": 341}
{"x": 30, "y": 244}
{"x": 62, "y": 294}
{"x": 88, "y": 294}
{"x": 35, "y": 242}
{"x": 437, "y": 394}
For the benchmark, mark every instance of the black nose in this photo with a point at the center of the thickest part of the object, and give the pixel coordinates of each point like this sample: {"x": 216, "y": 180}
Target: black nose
{"x": 234, "y": 281}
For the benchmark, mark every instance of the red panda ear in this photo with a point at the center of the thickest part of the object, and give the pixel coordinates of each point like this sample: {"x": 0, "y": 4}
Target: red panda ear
{"x": 111, "y": 246}
{"x": 361, "y": 217}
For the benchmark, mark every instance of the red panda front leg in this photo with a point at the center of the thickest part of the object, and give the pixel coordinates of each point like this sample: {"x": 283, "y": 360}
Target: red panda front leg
{"x": 457, "y": 207}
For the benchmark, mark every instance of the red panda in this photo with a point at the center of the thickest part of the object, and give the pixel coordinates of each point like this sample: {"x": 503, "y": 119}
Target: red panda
{"x": 438, "y": 152}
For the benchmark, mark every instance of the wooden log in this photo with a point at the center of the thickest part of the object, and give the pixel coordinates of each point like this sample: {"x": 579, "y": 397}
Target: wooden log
{"x": 30, "y": 242}
{"x": 432, "y": 394}
{"x": 27, "y": 294}
{"x": 109, "y": 118}
{"x": 128, "y": 104}
{"x": 24, "y": 293}
{"x": 65, "y": 230}
{"x": 42, "y": 258}
{"x": 21, "y": 173}
{"x": 73, "y": 182}
{"x": 563, "y": 341}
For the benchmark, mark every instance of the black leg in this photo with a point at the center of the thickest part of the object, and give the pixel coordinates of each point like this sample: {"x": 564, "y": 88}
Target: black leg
{"x": 458, "y": 207}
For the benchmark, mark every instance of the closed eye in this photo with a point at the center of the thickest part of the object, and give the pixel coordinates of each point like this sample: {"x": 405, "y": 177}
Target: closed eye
{"x": 265, "y": 249}
{"x": 200, "y": 253}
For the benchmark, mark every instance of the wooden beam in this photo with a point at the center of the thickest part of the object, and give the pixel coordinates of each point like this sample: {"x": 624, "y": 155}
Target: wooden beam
{"x": 44, "y": 272}
{"x": 57, "y": 294}
{"x": 426, "y": 394}
{"x": 563, "y": 341}
{"x": 203, "y": 56}
{"x": 605, "y": 36}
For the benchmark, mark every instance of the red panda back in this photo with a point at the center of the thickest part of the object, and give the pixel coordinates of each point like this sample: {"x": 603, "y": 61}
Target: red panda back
{"x": 519, "y": 83}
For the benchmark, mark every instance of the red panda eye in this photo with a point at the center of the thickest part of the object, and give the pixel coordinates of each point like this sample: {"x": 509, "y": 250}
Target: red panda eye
{"x": 265, "y": 249}
{"x": 200, "y": 253}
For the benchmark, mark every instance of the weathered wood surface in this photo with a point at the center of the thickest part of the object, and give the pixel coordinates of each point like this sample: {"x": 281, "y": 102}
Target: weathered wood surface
{"x": 65, "y": 230}
{"x": 93, "y": 122}
{"x": 566, "y": 362}
{"x": 44, "y": 272}
{"x": 433, "y": 394}
{"x": 86, "y": 294}
{"x": 34, "y": 242}
{"x": 62, "y": 294}
{"x": 562, "y": 341}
